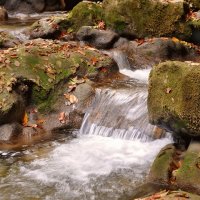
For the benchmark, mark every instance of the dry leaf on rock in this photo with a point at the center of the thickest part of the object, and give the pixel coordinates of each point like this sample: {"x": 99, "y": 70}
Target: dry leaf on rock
{"x": 62, "y": 117}
{"x": 71, "y": 98}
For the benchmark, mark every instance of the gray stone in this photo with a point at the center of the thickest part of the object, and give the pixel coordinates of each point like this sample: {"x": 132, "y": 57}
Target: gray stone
{"x": 10, "y": 131}
{"x": 101, "y": 39}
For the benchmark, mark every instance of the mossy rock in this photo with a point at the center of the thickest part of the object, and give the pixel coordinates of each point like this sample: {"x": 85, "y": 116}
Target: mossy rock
{"x": 85, "y": 13}
{"x": 174, "y": 97}
{"x": 159, "y": 172}
{"x": 40, "y": 67}
{"x": 147, "y": 18}
{"x": 188, "y": 174}
{"x": 7, "y": 40}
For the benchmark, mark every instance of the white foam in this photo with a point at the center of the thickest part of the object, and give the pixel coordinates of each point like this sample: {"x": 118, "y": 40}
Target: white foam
{"x": 140, "y": 74}
{"x": 93, "y": 156}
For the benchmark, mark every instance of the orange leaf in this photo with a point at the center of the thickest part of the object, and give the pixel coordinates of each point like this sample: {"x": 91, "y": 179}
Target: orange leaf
{"x": 25, "y": 119}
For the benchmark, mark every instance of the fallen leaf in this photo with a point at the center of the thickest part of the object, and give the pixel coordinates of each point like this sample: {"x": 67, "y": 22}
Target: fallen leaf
{"x": 94, "y": 61}
{"x": 62, "y": 117}
{"x": 71, "y": 98}
{"x": 101, "y": 25}
{"x": 25, "y": 119}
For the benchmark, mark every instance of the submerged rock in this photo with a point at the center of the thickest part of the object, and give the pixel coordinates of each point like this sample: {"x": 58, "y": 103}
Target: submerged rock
{"x": 174, "y": 96}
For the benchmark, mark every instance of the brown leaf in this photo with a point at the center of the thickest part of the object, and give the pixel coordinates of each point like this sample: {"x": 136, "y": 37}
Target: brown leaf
{"x": 62, "y": 117}
{"x": 71, "y": 98}
{"x": 25, "y": 119}
{"x": 101, "y": 25}
{"x": 94, "y": 60}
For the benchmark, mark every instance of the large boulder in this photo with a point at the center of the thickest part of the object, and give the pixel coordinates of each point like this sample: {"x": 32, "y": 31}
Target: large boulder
{"x": 149, "y": 52}
{"x": 36, "y": 71}
{"x": 187, "y": 176}
{"x": 174, "y": 96}
{"x": 147, "y": 18}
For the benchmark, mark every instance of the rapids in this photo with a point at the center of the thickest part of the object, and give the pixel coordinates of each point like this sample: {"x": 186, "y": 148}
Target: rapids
{"x": 108, "y": 158}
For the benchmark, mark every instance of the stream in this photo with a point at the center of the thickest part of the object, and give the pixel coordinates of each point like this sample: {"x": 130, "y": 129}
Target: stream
{"x": 108, "y": 158}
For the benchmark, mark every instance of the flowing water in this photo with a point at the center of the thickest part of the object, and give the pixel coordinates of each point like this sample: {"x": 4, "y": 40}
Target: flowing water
{"x": 108, "y": 158}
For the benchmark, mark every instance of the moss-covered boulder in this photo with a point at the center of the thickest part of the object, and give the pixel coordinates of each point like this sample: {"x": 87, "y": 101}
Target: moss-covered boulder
{"x": 159, "y": 172}
{"x": 35, "y": 70}
{"x": 174, "y": 97}
{"x": 188, "y": 174}
{"x": 144, "y": 18}
{"x": 84, "y": 14}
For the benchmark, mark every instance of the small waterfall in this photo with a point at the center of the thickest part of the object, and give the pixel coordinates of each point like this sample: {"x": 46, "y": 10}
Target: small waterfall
{"x": 119, "y": 113}
{"x": 121, "y": 59}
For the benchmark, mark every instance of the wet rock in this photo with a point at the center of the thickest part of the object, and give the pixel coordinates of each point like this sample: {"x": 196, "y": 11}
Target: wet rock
{"x": 3, "y": 14}
{"x": 173, "y": 101}
{"x": 149, "y": 52}
{"x": 101, "y": 39}
{"x": 85, "y": 94}
{"x": 7, "y": 40}
{"x": 10, "y": 132}
{"x": 147, "y": 18}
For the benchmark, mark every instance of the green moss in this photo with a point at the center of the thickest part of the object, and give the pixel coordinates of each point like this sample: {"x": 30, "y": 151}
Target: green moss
{"x": 169, "y": 102}
{"x": 44, "y": 65}
{"x": 85, "y": 14}
{"x": 188, "y": 175}
{"x": 147, "y": 18}
{"x": 160, "y": 169}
